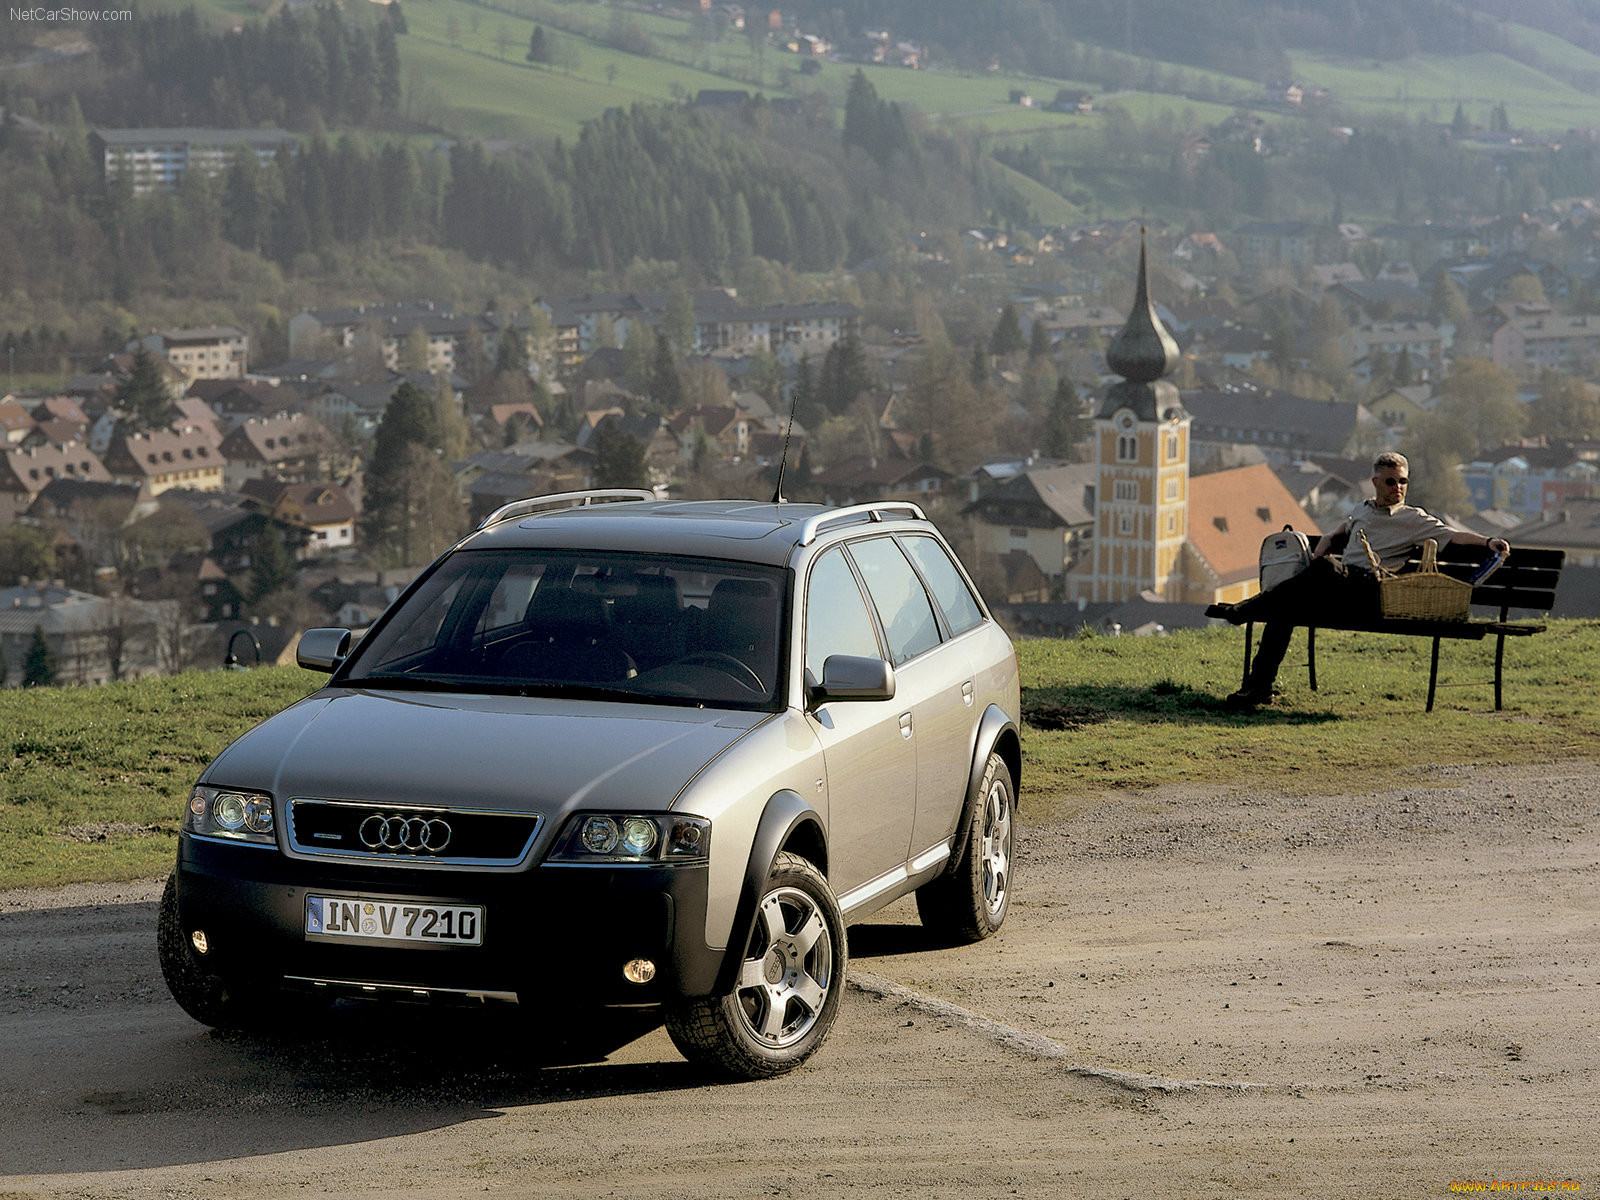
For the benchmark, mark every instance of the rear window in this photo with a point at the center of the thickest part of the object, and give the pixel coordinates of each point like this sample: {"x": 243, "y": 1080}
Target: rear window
{"x": 950, "y": 590}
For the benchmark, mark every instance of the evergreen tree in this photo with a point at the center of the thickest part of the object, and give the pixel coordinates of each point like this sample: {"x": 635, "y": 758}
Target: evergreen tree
{"x": 1460, "y": 127}
{"x": 388, "y": 62}
{"x": 638, "y": 356}
{"x": 39, "y": 668}
{"x": 1038, "y": 341}
{"x": 539, "y": 46}
{"x": 619, "y": 457}
{"x": 142, "y": 398}
{"x": 1006, "y": 337}
{"x": 410, "y": 505}
{"x": 271, "y": 566}
{"x": 666, "y": 385}
{"x": 511, "y": 353}
{"x": 978, "y": 366}
{"x": 1064, "y": 422}
{"x": 847, "y": 372}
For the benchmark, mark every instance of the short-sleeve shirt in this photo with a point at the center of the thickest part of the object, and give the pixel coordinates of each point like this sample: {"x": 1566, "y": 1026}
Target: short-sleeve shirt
{"x": 1393, "y": 533}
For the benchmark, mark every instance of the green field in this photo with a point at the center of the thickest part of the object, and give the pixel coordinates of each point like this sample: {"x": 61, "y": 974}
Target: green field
{"x": 1428, "y": 87}
{"x": 92, "y": 780}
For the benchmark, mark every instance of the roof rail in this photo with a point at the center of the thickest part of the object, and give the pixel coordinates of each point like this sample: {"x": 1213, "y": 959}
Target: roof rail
{"x": 533, "y": 504}
{"x": 871, "y": 512}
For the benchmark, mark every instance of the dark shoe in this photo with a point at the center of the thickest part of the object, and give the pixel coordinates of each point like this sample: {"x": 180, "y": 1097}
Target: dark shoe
{"x": 1237, "y": 614}
{"x": 1249, "y": 697}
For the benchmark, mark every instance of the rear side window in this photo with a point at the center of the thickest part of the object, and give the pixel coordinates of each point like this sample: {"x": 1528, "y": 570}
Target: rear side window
{"x": 837, "y": 620}
{"x": 898, "y": 595}
{"x": 949, "y": 589}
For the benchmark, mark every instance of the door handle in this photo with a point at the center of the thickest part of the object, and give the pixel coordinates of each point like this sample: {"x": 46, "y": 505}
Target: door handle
{"x": 966, "y": 693}
{"x": 905, "y": 725}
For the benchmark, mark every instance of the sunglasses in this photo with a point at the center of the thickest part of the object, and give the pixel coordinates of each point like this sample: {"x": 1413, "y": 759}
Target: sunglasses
{"x": 1397, "y": 481}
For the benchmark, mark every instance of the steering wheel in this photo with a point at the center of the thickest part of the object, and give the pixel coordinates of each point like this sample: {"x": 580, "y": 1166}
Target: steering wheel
{"x": 727, "y": 664}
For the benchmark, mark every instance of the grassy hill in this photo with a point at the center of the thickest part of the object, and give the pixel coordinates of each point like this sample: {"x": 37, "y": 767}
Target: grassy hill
{"x": 92, "y": 780}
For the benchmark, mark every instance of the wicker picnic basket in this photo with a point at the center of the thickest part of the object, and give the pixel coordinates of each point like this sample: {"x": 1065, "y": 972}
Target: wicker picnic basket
{"x": 1426, "y": 594}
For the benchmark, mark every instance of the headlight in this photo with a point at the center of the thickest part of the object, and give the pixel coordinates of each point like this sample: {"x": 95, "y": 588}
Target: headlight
{"x": 628, "y": 838}
{"x": 229, "y": 813}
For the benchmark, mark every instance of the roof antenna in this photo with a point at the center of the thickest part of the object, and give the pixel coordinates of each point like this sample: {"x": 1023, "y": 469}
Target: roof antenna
{"x": 783, "y": 459}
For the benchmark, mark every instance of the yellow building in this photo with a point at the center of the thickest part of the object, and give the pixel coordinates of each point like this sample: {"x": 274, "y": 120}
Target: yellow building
{"x": 1141, "y": 438}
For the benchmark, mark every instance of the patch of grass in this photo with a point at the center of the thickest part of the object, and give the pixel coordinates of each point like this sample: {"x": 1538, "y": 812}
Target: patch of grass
{"x": 92, "y": 780}
{"x": 1127, "y": 712}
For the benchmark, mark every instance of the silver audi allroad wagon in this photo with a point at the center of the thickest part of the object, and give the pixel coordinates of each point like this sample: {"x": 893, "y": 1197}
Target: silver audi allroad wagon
{"x": 613, "y": 751}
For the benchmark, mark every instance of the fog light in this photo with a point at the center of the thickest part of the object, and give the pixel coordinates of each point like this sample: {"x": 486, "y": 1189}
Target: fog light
{"x": 639, "y": 970}
{"x": 198, "y": 939}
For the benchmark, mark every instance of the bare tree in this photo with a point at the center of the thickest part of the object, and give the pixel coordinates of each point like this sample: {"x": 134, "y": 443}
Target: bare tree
{"x": 115, "y": 628}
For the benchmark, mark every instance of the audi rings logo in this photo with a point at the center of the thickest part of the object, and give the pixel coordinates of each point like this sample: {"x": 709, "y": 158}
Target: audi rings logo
{"x": 405, "y": 835}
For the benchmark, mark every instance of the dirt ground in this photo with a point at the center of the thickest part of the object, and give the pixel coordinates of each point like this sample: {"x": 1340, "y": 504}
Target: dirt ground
{"x": 1233, "y": 992}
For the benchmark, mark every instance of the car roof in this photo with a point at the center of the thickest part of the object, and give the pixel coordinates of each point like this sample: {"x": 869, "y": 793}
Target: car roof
{"x": 745, "y": 530}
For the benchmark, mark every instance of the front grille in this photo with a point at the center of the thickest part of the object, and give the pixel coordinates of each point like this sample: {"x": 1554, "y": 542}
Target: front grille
{"x": 403, "y": 836}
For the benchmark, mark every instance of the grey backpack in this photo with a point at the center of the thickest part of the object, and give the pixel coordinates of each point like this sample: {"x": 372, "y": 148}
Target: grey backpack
{"x": 1284, "y": 555}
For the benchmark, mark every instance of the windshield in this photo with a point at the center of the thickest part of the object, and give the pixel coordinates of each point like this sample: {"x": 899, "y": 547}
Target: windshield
{"x": 562, "y": 622}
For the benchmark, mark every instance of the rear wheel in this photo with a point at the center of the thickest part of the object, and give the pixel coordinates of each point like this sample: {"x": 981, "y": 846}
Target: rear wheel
{"x": 970, "y": 902}
{"x": 788, "y": 987}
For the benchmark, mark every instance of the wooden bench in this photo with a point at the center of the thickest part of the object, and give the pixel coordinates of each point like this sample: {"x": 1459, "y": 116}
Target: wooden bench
{"x": 1526, "y": 581}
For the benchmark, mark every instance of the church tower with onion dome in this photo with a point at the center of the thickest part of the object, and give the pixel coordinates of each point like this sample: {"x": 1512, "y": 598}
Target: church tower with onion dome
{"x": 1141, "y": 438}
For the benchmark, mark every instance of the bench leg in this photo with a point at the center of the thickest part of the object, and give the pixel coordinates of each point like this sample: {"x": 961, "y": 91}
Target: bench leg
{"x": 1433, "y": 674}
{"x": 1311, "y": 654}
{"x": 1499, "y": 660}
{"x": 1249, "y": 633}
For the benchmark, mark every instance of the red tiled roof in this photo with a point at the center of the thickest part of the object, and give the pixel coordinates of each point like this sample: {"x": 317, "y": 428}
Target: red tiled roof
{"x": 1232, "y": 512}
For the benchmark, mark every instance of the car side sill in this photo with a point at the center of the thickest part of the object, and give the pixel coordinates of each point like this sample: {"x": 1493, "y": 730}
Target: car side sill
{"x": 873, "y": 888}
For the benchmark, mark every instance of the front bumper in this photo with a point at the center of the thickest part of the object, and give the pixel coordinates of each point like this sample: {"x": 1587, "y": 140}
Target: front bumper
{"x": 553, "y": 935}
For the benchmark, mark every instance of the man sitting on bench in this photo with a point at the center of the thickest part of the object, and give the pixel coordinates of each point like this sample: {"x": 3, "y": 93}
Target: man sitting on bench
{"x": 1393, "y": 528}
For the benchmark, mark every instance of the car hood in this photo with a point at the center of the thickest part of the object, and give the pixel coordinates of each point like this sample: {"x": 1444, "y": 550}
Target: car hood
{"x": 503, "y": 753}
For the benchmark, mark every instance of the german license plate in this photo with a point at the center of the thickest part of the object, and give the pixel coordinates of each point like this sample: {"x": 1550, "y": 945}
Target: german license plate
{"x": 394, "y": 921}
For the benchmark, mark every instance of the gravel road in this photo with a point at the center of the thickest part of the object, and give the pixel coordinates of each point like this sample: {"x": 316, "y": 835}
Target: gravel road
{"x": 1199, "y": 993}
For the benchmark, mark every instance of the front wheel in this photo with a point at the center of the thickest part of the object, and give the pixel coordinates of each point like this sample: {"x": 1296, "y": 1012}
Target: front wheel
{"x": 199, "y": 992}
{"x": 789, "y": 983}
{"x": 970, "y": 902}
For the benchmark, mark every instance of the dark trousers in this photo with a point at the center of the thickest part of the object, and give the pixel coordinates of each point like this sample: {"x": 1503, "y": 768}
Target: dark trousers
{"x": 1326, "y": 588}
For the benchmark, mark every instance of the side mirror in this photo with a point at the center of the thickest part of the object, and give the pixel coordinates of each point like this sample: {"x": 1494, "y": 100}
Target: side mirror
{"x": 854, "y": 677}
{"x": 322, "y": 649}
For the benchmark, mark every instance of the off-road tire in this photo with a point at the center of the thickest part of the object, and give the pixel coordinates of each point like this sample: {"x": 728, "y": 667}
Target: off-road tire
{"x": 788, "y": 989}
{"x": 969, "y": 902}
{"x": 201, "y": 993}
